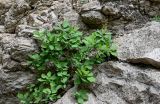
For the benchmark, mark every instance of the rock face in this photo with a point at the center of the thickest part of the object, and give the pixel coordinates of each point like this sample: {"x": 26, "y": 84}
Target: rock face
{"x": 141, "y": 45}
{"x": 4, "y": 7}
{"x": 68, "y": 98}
{"x": 117, "y": 82}
{"x": 93, "y": 19}
{"x": 122, "y": 83}
{"x": 15, "y": 14}
{"x": 13, "y": 78}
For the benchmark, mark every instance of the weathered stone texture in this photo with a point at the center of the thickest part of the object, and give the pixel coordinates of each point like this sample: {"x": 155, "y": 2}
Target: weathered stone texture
{"x": 117, "y": 82}
{"x": 141, "y": 45}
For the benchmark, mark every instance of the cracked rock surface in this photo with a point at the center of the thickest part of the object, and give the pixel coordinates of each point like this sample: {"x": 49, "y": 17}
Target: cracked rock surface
{"x": 122, "y": 83}
{"x": 133, "y": 79}
{"x": 141, "y": 45}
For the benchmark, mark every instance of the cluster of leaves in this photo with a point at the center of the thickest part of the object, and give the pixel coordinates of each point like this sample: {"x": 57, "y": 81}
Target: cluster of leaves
{"x": 66, "y": 56}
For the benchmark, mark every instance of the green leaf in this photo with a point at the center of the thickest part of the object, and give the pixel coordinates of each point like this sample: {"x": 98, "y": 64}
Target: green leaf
{"x": 64, "y": 80}
{"x": 113, "y": 50}
{"x": 58, "y": 47}
{"x": 35, "y": 56}
{"x": 113, "y": 47}
{"x": 40, "y": 80}
{"x": 49, "y": 74}
{"x": 51, "y": 47}
{"x": 114, "y": 53}
{"x": 47, "y": 91}
{"x": 65, "y": 24}
{"x": 81, "y": 96}
{"x": 50, "y": 37}
{"x": 91, "y": 79}
{"x": 90, "y": 40}
{"x": 77, "y": 80}
{"x": 43, "y": 76}
{"x": 90, "y": 74}
{"x": 80, "y": 101}
{"x": 75, "y": 46}
{"x": 84, "y": 71}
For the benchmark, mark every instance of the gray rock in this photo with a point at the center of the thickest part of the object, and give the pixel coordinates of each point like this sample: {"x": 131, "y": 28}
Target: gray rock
{"x": 2, "y": 29}
{"x": 117, "y": 83}
{"x": 74, "y": 19}
{"x": 110, "y": 10}
{"x": 121, "y": 83}
{"x": 94, "y": 5}
{"x": 15, "y": 51}
{"x": 78, "y": 4}
{"x": 61, "y": 8}
{"x": 12, "y": 83}
{"x": 13, "y": 77}
{"x": 17, "y": 11}
{"x": 141, "y": 45}
{"x": 22, "y": 47}
{"x": 5, "y": 3}
{"x": 93, "y": 19}
{"x": 130, "y": 86}
{"x": 9, "y": 99}
{"x": 4, "y": 7}
{"x": 155, "y": 0}
{"x": 26, "y": 31}
{"x": 152, "y": 57}
{"x": 69, "y": 99}
{"x": 32, "y": 2}
{"x": 122, "y": 15}
{"x": 44, "y": 18}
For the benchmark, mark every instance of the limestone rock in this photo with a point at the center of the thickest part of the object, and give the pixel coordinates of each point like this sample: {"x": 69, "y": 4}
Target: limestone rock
{"x": 122, "y": 83}
{"x": 12, "y": 83}
{"x": 94, "y": 5}
{"x": 44, "y": 18}
{"x": 74, "y": 19}
{"x": 79, "y": 4}
{"x": 13, "y": 77}
{"x": 141, "y": 45}
{"x": 5, "y": 3}
{"x": 69, "y": 99}
{"x": 122, "y": 15}
{"x": 23, "y": 47}
{"x": 4, "y": 7}
{"x": 155, "y": 0}
{"x": 61, "y": 8}
{"x": 93, "y": 19}
{"x": 32, "y": 2}
{"x": 2, "y": 29}
{"x": 17, "y": 11}
{"x": 109, "y": 10}
{"x": 117, "y": 82}
{"x": 15, "y": 49}
{"x": 26, "y": 31}
{"x": 9, "y": 99}
{"x": 152, "y": 58}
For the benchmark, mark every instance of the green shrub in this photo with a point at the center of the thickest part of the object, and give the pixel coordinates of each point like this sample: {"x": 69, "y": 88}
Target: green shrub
{"x": 66, "y": 57}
